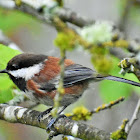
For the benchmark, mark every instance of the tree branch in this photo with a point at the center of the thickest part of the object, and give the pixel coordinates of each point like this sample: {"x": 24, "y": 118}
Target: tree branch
{"x": 16, "y": 114}
{"x": 33, "y": 7}
{"x": 134, "y": 118}
{"x": 70, "y": 16}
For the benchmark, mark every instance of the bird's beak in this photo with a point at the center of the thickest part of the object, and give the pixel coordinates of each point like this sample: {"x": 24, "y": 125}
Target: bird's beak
{"x": 3, "y": 71}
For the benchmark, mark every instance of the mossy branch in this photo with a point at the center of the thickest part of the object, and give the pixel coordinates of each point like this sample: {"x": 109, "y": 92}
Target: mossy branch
{"x": 82, "y": 113}
{"x": 130, "y": 65}
{"x": 16, "y": 114}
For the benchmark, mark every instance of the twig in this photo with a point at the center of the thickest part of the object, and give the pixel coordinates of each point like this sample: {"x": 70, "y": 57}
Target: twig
{"x": 82, "y": 113}
{"x": 67, "y": 15}
{"x": 120, "y": 133}
{"x": 107, "y": 106}
{"x": 134, "y": 118}
{"x": 130, "y": 65}
{"x": 60, "y": 89}
{"x": 120, "y": 53}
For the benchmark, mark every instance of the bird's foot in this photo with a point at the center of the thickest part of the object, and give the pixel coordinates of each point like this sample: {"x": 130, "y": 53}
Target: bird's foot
{"x": 42, "y": 114}
{"x": 49, "y": 128}
{"x": 54, "y": 120}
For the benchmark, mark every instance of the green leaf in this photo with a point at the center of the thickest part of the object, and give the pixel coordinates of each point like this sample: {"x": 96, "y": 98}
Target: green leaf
{"x": 5, "y": 82}
{"x": 5, "y": 95}
{"x": 6, "y": 54}
{"x": 6, "y": 85}
{"x": 111, "y": 90}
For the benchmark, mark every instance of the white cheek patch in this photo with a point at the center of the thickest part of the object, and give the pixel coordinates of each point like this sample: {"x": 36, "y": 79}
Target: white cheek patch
{"x": 27, "y": 73}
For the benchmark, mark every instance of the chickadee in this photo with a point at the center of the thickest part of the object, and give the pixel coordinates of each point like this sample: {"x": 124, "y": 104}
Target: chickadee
{"x": 38, "y": 76}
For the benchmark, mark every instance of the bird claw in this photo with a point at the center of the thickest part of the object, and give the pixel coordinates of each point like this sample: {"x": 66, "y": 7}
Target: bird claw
{"x": 49, "y": 127}
{"x": 54, "y": 120}
{"x": 40, "y": 116}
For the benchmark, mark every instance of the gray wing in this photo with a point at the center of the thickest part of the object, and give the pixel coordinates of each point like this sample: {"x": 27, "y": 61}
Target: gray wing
{"x": 73, "y": 74}
{"x": 76, "y": 73}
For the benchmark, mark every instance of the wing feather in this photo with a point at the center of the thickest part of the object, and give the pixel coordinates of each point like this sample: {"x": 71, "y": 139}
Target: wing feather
{"x": 76, "y": 73}
{"x": 73, "y": 74}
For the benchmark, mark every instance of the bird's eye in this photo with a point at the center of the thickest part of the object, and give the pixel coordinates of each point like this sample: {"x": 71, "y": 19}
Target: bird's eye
{"x": 14, "y": 66}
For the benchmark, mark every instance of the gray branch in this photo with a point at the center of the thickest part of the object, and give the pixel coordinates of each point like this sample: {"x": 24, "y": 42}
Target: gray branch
{"x": 72, "y": 17}
{"x": 16, "y": 114}
{"x": 134, "y": 118}
{"x": 32, "y": 7}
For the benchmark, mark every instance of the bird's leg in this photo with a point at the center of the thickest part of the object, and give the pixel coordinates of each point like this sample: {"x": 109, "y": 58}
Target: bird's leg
{"x": 40, "y": 116}
{"x": 53, "y": 120}
{"x": 53, "y": 133}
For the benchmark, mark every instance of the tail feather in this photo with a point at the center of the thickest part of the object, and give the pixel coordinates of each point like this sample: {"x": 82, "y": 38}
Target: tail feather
{"x": 114, "y": 78}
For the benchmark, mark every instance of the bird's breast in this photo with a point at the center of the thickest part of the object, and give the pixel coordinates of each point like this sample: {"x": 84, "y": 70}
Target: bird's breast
{"x": 46, "y": 100}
